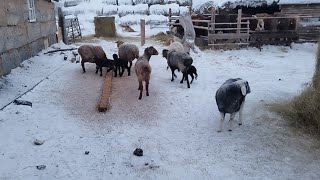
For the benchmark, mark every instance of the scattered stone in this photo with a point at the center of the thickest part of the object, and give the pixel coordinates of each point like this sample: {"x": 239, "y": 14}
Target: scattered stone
{"x": 86, "y": 152}
{"x": 22, "y": 102}
{"x": 41, "y": 167}
{"x": 138, "y": 152}
{"x": 38, "y": 142}
{"x": 280, "y": 79}
{"x": 146, "y": 164}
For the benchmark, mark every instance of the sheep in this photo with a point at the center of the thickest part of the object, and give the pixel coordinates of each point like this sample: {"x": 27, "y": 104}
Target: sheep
{"x": 143, "y": 69}
{"x": 87, "y": 53}
{"x": 174, "y": 46}
{"x": 120, "y": 64}
{"x": 192, "y": 71}
{"x": 101, "y": 62}
{"x": 181, "y": 61}
{"x": 230, "y": 99}
{"x": 128, "y": 52}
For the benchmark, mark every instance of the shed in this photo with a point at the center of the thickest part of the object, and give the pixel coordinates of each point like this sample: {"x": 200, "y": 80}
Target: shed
{"x": 26, "y": 27}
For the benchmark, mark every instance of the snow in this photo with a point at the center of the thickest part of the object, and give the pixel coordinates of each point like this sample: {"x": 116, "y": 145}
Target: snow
{"x": 175, "y": 126}
{"x": 299, "y": 2}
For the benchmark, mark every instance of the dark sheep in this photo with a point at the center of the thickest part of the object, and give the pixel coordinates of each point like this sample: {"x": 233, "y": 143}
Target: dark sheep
{"x": 181, "y": 61}
{"x": 121, "y": 64}
{"x": 230, "y": 99}
{"x": 104, "y": 62}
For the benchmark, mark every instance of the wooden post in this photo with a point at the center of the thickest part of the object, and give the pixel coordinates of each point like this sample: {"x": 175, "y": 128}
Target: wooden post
{"x": 143, "y": 31}
{"x": 170, "y": 14}
{"x": 212, "y": 28}
{"x": 239, "y": 23}
{"x": 297, "y": 23}
{"x": 61, "y": 23}
{"x": 190, "y": 10}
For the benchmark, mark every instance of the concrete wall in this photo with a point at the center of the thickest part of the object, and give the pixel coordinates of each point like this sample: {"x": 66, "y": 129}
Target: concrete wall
{"x": 21, "y": 39}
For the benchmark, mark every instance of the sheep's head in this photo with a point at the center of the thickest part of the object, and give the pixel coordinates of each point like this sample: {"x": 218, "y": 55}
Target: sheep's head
{"x": 244, "y": 85}
{"x": 119, "y": 42}
{"x": 165, "y": 53}
{"x": 115, "y": 56}
{"x": 151, "y": 51}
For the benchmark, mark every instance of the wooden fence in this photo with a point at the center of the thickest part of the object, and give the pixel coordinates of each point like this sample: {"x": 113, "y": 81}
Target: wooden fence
{"x": 279, "y": 30}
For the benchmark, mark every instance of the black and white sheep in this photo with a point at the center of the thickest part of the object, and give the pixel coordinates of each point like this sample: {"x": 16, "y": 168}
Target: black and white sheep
{"x": 143, "y": 69}
{"x": 230, "y": 98}
{"x": 87, "y": 53}
{"x": 181, "y": 61}
{"x": 105, "y": 62}
{"x": 127, "y": 52}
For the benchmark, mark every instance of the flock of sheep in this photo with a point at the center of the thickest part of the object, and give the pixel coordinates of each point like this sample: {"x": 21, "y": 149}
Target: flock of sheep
{"x": 230, "y": 96}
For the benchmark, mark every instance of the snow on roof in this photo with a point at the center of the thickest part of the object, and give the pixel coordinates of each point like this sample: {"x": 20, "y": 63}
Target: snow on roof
{"x": 202, "y": 4}
{"x": 299, "y": 2}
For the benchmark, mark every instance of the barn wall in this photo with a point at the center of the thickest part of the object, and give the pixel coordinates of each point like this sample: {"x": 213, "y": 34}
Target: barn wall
{"x": 21, "y": 39}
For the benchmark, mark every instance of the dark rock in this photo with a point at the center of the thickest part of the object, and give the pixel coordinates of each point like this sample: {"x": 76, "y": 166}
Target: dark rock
{"x": 138, "y": 152}
{"x": 86, "y": 152}
{"x": 38, "y": 142}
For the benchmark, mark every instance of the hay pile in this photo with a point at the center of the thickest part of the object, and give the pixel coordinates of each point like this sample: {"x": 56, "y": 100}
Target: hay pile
{"x": 304, "y": 110}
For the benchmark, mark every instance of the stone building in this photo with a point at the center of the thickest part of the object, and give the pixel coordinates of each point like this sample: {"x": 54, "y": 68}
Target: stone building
{"x": 26, "y": 27}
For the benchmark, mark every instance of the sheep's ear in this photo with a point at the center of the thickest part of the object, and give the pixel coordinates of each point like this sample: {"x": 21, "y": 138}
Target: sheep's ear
{"x": 243, "y": 89}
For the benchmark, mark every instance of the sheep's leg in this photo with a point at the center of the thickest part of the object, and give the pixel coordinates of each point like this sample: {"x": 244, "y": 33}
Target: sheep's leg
{"x": 147, "y": 88}
{"x": 240, "y": 113}
{"x": 182, "y": 78}
{"x": 186, "y": 75}
{"x": 129, "y": 69}
{"x": 172, "y": 74}
{"x": 192, "y": 77}
{"x": 82, "y": 64}
{"x": 231, "y": 121}
{"x": 221, "y": 121}
{"x": 141, "y": 89}
{"x": 122, "y": 71}
{"x": 130, "y": 64}
{"x": 100, "y": 71}
{"x": 97, "y": 69}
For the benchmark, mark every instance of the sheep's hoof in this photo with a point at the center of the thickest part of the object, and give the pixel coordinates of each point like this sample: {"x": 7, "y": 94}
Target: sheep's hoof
{"x": 171, "y": 79}
{"x": 140, "y": 98}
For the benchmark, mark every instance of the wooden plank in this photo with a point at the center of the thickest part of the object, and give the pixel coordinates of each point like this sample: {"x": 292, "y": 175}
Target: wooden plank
{"x": 199, "y": 20}
{"x": 226, "y": 29}
{"x": 230, "y": 23}
{"x": 200, "y": 27}
{"x": 223, "y": 44}
{"x": 228, "y": 36}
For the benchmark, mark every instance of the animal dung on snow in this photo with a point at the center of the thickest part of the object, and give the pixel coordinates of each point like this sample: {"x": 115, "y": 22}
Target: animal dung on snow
{"x": 138, "y": 152}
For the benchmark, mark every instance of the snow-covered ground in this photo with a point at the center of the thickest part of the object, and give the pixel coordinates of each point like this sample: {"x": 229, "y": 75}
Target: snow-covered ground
{"x": 175, "y": 126}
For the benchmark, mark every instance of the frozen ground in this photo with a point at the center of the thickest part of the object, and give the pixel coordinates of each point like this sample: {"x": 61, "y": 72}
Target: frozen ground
{"x": 175, "y": 126}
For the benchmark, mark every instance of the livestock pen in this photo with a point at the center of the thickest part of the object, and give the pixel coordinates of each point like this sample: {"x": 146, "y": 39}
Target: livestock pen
{"x": 238, "y": 30}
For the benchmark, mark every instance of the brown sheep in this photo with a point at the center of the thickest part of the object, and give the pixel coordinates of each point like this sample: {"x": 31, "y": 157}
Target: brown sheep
{"x": 143, "y": 69}
{"x": 87, "y": 53}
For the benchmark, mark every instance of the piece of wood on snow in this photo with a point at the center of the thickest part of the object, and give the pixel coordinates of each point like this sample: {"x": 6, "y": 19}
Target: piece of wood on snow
{"x": 105, "y": 99}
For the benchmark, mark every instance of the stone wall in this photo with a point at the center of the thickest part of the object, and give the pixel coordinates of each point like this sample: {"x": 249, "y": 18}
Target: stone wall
{"x": 21, "y": 39}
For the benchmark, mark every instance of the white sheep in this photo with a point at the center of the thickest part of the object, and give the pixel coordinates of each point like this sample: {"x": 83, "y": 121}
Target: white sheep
{"x": 143, "y": 69}
{"x": 127, "y": 52}
{"x": 230, "y": 99}
{"x": 87, "y": 53}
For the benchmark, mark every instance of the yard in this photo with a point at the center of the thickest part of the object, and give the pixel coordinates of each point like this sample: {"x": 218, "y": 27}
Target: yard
{"x": 175, "y": 126}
